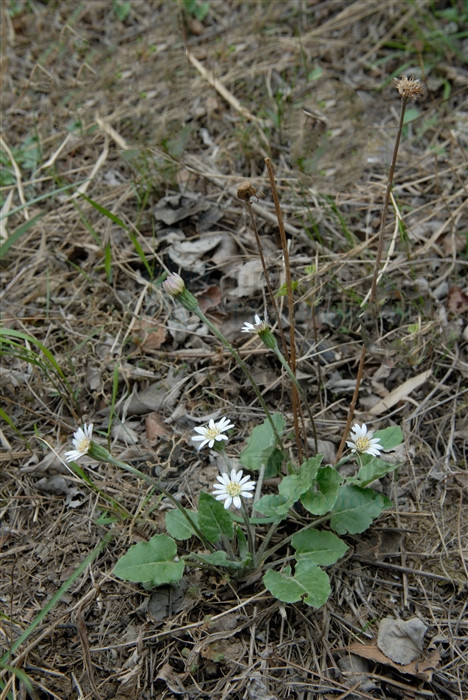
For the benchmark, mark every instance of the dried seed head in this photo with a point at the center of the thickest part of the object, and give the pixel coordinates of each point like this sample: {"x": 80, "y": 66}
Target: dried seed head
{"x": 246, "y": 190}
{"x": 409, "y": 88}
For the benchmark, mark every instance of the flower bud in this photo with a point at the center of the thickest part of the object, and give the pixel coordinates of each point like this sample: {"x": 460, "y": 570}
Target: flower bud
{"x": 267, "y": 338}
{"x": 173, "y": 284}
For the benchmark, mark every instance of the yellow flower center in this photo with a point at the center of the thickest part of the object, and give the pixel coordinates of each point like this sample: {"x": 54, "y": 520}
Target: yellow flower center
{"x": 362, "y": 443}
{"x": 83, "y": 444}
{"x": 212, "y": 433}
{"x": 233, "y": 489}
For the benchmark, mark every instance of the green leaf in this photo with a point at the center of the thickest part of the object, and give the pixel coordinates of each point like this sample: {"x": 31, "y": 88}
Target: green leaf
{"x": 242, "y": 545}
{"x": 321, "y": 498}
{"x": 411, "y": 114}
{"x": 273, "y": 464}
{"x": 213, "y": 518}
{"x": 151, "y": 561}
{"x": 178, "y": 526}
{"x": 321, "y": 547}
{"x": 218, "y": 558}
{"x": 389, "y": 437}
{"x": 262, "y": 443}
{"x": 273, "y": 506}
{"x": 122, "y": 10}
{"x": 355, "y": 508}
{"x": 371, "y": 471}
{"x": 309, "y": 583}
{"x": 18, "y": 232}
{"x": 292, "y": 487}
{"x": 314, "y": 580}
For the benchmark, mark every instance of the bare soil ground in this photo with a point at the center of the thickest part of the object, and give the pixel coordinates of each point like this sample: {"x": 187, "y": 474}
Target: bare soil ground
{"x": 103, "y": 106}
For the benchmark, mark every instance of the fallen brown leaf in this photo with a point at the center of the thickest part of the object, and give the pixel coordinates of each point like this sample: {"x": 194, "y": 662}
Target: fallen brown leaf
{"x": 154, "y": 426}
{"x": 210, "y": 298}
{"x": 421, "y": 668}
{"x": 457, "y": 300}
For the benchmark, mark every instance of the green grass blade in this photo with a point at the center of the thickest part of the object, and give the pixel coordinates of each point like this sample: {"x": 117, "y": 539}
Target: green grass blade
{"x": 40, "y": 198}
{"x": 9, "y": 332}
{"x": 17, "y": 233}
{"x": 58, "y": 595}
{"x": 105, "y": 212}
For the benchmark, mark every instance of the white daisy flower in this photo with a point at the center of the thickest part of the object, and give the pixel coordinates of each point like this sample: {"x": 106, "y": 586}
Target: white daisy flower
{"x": 361, "y": 441}
{"x": 81, "y": 442}
{"x": 232, "y": 488}
{"x": 213, "y": 432}
{"x": 256, "y": 327}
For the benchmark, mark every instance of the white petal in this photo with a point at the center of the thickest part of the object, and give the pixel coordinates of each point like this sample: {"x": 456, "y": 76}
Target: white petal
{"x": 72, "y": 455}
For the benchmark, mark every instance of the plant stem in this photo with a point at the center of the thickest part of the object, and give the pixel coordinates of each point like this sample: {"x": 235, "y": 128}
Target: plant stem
{"x": 293, "y": 378}
{"x": 267, "y": 276}
{"x": 287, "y": 270}
{"x": 250, "y": 535}
{"x": 266, "y": 555}
{"x": 244, "y": 368}
{"x": 378, "y": 259}
{"x": 160, "y": 489}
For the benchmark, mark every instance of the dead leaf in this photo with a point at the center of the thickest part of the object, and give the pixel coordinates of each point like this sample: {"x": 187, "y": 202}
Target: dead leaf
{"x": 249, "y": 276}
{"x": 60, "y": 486}
{"x": 258, "y": 688}
{"x": 457, "y": 300}
{"x": 422, "y": 669}
{"x": 154, "y": 397}
{"x": 175, "y": 208}
{"x": 462, "y": 479}
{"x": 155, "y": 428}
{"x": 188, "y": 254}
{"x": 400, "y": 393}
{"x": 357, "y": 670}
{"x": 402, "y": 641}
{"x": 150, "y": 334}
{"x": 172, "y": 679}
{"x": 210, "y": 298}
{"x": 167, "y": 600}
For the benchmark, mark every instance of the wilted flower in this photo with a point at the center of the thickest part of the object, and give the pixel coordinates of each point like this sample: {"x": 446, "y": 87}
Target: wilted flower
{"x": 232, "y": 487}
{"x": 81, "y": 442}
{"x": 213, "y": 432}
{"x": 245, "y": 191}
{"x": 409, "y": 88}
{"x": 256, "y": 327}
{"x": 262, "y": 329}
{"x": 361, "y": 441}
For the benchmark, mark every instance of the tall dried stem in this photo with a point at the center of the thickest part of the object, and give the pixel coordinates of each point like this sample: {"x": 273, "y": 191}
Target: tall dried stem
{"x": 409, "y": 88}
